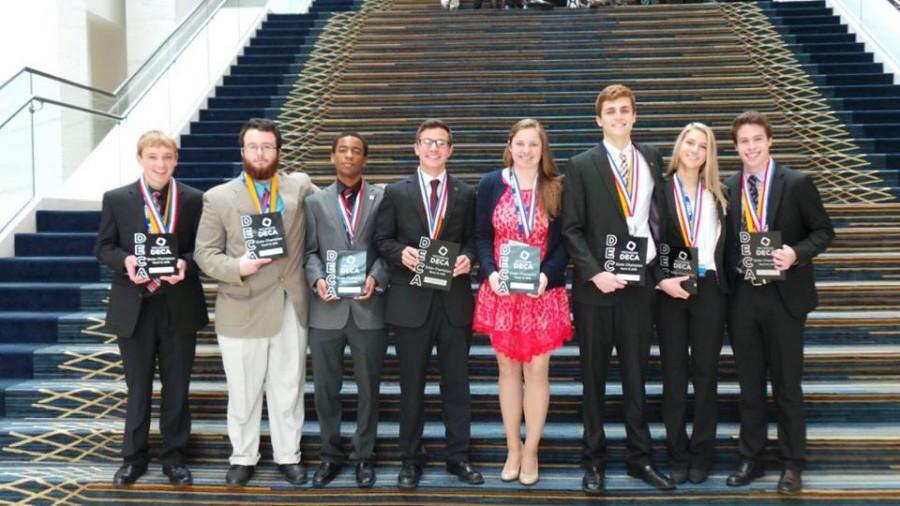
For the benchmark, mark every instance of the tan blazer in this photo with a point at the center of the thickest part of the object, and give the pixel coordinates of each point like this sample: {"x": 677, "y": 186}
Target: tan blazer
{"x": 253, "y": 306}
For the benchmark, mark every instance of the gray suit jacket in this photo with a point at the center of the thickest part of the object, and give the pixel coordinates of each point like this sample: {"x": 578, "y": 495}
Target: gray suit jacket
{"x": 325, "y": 231}
{"x": 252, "y": 306}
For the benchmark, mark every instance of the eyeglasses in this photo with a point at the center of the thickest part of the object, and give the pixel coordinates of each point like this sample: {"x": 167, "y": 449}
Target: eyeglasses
{"x": 265, "y": 148}
{"x": 438, "y": 143}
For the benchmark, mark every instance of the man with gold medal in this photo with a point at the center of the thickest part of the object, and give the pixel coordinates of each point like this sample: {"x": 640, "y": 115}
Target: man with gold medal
{"x": 261, "y": 304}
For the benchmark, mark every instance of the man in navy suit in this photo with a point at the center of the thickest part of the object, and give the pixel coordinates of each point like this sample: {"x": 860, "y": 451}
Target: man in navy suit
{"x": 430, "y": 203}
{"x": 766, "y": 318}
{"x": 154, "y": 318}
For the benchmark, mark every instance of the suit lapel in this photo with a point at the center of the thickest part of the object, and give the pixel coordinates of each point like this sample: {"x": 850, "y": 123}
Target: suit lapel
{"x": 452, "y": 198}
{"x": 734, "y": 200}
{"x": 415, "y": 196}
{"x": 777, "y": 190}
{"x": 671, "y": 207}
{"x": 365, "y": 208}
{"x": 601, "y": 165}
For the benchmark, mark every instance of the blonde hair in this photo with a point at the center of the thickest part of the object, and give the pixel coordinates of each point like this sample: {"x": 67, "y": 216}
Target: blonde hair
{"x": 709, "y": 171}
{"x": 549, "y": 179}
{"x": 154, "y": 139}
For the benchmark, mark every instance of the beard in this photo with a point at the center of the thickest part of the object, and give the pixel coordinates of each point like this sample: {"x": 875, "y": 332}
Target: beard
{"x": 264, "y": 173}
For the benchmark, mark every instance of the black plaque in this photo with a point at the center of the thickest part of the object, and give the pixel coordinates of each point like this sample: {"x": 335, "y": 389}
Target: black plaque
{"x": 264, "y": 235}
{"x": 756, "y": 256}
{"x": 345, "y": 272}
{"x": 520, "y": 268}
{"x": 156, "y": 255}
{"x": 677, "y": 261}
{"x": 434, "y": 268}
{"x": 626, "y": 257}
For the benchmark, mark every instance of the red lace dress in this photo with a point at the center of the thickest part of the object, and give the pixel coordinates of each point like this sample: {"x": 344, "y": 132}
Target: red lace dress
{"x": 520, "y": 326}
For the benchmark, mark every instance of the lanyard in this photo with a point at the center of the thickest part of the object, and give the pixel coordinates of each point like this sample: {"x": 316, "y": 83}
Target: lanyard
{"x": 525, "y": 214}
{"x": 267, "y": 205}
{"x": 757, "y": 218}
{"x": 157, "y": 224}
{"x": 627, "y": 193}
{"x": 436, "y": 218}
{"x": 688, "y": 216}
{"x": 350, "y": 217}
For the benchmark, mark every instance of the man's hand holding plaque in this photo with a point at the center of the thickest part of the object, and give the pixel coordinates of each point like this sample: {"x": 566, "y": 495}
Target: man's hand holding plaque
{"x": 345, "y": 273}
{"x": 626, "y": 258}
{"x": 758, "y": 251}
{"x": 155, "y": 255}
{"x": 264, "y": 235}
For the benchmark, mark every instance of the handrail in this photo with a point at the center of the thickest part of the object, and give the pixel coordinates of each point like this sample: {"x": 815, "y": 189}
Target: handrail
{"x": 55, "y": 78}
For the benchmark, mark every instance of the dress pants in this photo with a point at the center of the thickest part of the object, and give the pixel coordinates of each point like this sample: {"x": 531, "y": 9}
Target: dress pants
{"x": 696, "y": 324}
{"x": 627, "y": 326}
{"x": 766, "y": 338}
{"x": 367, "y": 348}
{"x": 275, "y": 365}
{"x": 414, "y": 352}
{"x": 155, "y": 339}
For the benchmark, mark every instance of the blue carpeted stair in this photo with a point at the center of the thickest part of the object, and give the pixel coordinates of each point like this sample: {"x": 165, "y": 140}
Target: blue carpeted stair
{"x": 399, "y": 61}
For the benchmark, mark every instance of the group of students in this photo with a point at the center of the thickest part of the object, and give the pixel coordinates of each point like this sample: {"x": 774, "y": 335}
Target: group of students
{"x": 616, "y": 190}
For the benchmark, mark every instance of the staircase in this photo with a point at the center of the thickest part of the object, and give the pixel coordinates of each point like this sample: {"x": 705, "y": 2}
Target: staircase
{"x": 380, "y": 67}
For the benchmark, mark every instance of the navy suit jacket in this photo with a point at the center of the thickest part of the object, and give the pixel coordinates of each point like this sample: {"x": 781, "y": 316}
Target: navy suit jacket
{"x": 490, "y": 189}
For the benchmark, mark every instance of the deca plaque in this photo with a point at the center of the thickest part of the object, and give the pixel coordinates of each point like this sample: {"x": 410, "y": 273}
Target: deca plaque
{"x": 756, "y": 255}
{"x": 520, "y": 268}
{"x": 263, "y": 235}
{"x": 626, "y": 257}
{"x": 436, "y": 260}
{"x": 345, "y": 272}
{"x": 156, "y": 255}
{"x": 677, "y": 261}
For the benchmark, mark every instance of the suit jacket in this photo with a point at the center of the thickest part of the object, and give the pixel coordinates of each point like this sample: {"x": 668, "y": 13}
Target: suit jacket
{"x": 400, "y": 222}
{"x": 253, "y": 306}
{"x": 490, "y": 189}
{"x": 591, "y": 209}
{"x": 796, "y": 210}
{"x": 325, "y": 231}
{"x": 121, "y": 218}
{"x": 671, "y": 232}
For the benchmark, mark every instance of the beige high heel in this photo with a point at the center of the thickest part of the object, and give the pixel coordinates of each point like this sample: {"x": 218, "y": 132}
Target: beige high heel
{"x": 510, "y": 474}
{"x": 529, "y": 479}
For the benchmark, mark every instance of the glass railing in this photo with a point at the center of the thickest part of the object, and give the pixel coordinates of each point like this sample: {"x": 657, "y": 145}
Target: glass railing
{"x": 49, "y": 125}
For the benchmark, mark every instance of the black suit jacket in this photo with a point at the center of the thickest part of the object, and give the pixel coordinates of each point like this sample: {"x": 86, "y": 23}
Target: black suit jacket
{"x": 591, "y": 210}
{"x": 121, "y": 218}
{"x": 400, "y": 222}
{"x": 671, "y": 232}
{"x": 796, "y": 210}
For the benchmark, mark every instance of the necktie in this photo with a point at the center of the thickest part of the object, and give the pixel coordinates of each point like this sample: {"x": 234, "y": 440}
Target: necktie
{"x": 754, "y": 191}
{"x": 153, "y": 285}
{"x": 625, "y": 170}
{"x": 433, "y": 200}
{"x": 265, "y": 199}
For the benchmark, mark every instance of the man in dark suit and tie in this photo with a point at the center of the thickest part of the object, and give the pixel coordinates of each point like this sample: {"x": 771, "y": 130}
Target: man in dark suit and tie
{"x": 340, "y": 218}
{"x": 766, "y": 318}
{"x": 613, "y": 192}
{"x": 153, "y": 318}
{"x": 433, "y": 204}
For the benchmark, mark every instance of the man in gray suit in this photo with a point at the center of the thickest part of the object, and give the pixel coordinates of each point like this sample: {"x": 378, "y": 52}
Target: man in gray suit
{"x": 339, "y": 221}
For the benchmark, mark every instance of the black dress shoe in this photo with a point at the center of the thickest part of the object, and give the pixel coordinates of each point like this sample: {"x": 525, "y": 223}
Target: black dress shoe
{"x": 697, "y": 476}
{"x": 365, "y": 474}
{"x": 409, "y": 476}
{"x": 745, "y": 474}
{"x": 326, "y": 472}
{"x": 238, "y": 476}
{"x": 466, "y": 472}
{"x": 790, "y": 483}
{"x": 179, "y": 475}
{"x": 295, "y": 474}
{"x": 594, "y": 480}
{"x": 679, "y": 475}
{"x": 128, "y": 474}
{"x": 651, "y": 476}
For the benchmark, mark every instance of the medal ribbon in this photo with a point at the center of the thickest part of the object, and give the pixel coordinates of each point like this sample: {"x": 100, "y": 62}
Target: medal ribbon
{"x": 688, "y": 216}
{"x": 266, "y": 206}
{"x": 757, "y": 219}
{"x": 350, "y": 217}
{"x": 525, "y": 214}
{"x": 157, "y": 224}
{"x": 628, "y": 189}
{"x": 436, "y": 219}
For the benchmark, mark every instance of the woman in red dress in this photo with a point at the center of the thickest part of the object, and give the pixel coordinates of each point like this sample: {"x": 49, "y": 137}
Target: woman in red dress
{"x": 520, "y": 205}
